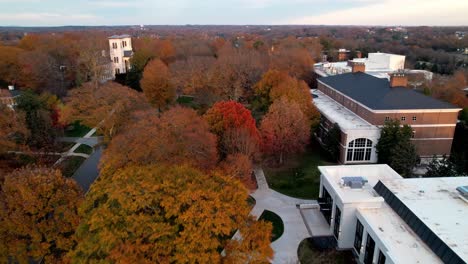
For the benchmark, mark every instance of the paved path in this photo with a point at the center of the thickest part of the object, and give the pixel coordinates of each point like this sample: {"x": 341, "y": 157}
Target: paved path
{"x": 295, "y": 231}
{"x": 86, "y": 140}
{"x": 88, "y": 172}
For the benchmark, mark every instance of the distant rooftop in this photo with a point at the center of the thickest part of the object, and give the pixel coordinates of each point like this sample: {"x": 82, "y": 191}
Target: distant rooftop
{"x": 376, "y": 93}
{"x": 119, "y": 36}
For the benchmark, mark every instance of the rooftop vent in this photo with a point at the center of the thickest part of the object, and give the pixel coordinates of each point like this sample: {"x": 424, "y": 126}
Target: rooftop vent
{"x": 353, "y": 182}
{"x": 463, "y": 191}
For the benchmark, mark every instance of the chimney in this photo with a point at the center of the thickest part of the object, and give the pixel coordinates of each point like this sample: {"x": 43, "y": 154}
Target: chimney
{"x": 357, "y": 66}
{"x": 398, "y": 79}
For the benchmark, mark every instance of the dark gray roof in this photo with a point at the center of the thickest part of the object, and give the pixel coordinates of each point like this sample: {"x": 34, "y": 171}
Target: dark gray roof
{"x": 128, "y": 53}
{"x": 376, "y": 93}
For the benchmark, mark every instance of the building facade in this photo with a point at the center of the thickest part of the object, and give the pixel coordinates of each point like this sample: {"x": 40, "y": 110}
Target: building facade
{"x": 361, "y": 104}
{"x": 384, "y": 218}
{"x": 121, "y": 51}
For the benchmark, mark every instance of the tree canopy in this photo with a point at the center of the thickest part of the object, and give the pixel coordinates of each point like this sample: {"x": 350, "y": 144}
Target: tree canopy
{"x": 178, "y": 136}
{"x": 156, "y": 84}
{"x": 38, "y": 215}
{"x": 160, "y": 214}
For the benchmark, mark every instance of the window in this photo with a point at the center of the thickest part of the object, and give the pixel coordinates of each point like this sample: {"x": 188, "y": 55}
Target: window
{"x": 124, "y": 43}
{"x": 403, "y": 118}
{"x": 116, "y": 59}
{"x": 414, "y": 118}
{"x": 359, "y": 150}
{"x": 387, "y": 118}
{"x": 381, "y": 259}
{"x": 114, "y": 45}
{"x": 358, "y": 237}
{"x": 117, "y": 71}
{"x": 370, "y": 246}
{"x": 326, "y": 203}
{"x": 336, "y": 228}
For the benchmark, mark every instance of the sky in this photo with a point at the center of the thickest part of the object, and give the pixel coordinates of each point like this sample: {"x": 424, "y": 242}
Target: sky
{"x": 233, "y": 12}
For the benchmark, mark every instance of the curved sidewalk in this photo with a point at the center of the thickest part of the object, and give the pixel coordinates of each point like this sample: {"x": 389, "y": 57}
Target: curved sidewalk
{"x": 295, "y": 231}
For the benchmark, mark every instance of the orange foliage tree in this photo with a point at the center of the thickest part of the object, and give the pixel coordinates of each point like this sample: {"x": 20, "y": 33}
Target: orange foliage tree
{"x": 13, "y": 130}
{"x": 284, "y": 129}
{"x": 156, "y": 84}
{"x": 234, "y": 126}
{"x": 107, "y": 107}
{"x": 160, "y": 214}
{"x": 239, "y": 166}
{"x": 10, "y": 65}
{"x": 38, "y": 215}
{"x": 178, "y": 136}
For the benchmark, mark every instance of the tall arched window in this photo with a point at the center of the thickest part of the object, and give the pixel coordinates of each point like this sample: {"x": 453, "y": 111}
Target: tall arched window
{"x": 359, "y": 150}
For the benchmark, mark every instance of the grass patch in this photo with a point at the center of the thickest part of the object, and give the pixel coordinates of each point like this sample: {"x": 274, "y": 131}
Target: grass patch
{"x": 84, "y": 149}
{"x": 299, "y": 176}
{"x": 76, "y": 129}
{"x": 275, "y": 220}
{"x": 188, "y": 101}
{"x": 70, "y": 165}
{"x": 308, "y": 254}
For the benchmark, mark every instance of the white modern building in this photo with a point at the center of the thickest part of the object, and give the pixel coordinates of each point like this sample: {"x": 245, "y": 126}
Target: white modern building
{"x": 121, "y": 51}
{"x": 385, "y": 218}
{"x": 376, "y": 64}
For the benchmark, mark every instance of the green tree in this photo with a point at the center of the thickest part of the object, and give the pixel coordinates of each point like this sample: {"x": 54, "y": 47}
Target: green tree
{"x": 395, "y": 147}
{"x": 404, "y": 158}
{"x": 440, "y": 167}
{"x": 332, "y": 141}
{"x": 38, "y": 119}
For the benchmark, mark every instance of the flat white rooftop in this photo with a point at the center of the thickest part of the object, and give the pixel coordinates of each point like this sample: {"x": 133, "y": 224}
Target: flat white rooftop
{"x": 373, "y": 173}
{"x": 436, "y": 202}
{"x": 337, "y": 113}
{"x": 397, "y": 236}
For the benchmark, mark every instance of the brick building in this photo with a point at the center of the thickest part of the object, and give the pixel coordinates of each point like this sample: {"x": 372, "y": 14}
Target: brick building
{"x": 361, "y": 103}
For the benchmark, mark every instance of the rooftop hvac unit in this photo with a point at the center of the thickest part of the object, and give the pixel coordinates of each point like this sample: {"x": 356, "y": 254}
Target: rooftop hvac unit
{"x": 463, "y": 191}
{"x": 353, "y": 182}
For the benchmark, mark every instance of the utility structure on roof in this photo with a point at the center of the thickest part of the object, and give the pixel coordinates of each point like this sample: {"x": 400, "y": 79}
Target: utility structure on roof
{"x": 361, "y": 103}
{"x": 121, "y": 51}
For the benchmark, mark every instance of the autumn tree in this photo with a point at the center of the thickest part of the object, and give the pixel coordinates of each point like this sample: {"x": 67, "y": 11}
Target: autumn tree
{"x": 178, "y": 136}
{"x": 239, "y": 166}
{"x": 253, "y": 246}
{"x": 13, "y": 130}
{"x": 94, "y": 64}
{"x": 299, "y": 92}
{"x": 156, "y": 84}
{"x": 235, "y": 128}
{"x": 107, "y": 107}
{"x": 9, "y": 64}
{"x": 292, "y": 57}
{"x": 262, "y": 89}
{"x": 38, "y": 215}
{"x": 160, "y": 214}
{"x": 285, "y": 129}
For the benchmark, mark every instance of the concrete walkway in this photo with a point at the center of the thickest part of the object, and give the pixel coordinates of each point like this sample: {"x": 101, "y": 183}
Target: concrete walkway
{"x": 295, "y": 230}
{"x": 85, "y": 140}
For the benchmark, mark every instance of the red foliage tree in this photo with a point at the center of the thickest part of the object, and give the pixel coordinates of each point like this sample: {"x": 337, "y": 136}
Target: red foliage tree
{"x": 234, "y": 126}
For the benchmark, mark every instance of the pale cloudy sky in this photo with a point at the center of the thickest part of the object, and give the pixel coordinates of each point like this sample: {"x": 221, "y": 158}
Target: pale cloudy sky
{"x": 237, "y": 12}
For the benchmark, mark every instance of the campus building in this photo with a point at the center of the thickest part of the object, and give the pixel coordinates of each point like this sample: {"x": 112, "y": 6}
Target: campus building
{"x": 360, "y": 104}
{"x": 120, "y": 53}
{"x": 384, "y": 218}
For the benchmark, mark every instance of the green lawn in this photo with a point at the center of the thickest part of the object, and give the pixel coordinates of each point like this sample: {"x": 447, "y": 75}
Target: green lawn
{"x": 76, "y": 129}
{"x": 298, "y": 176}
{"x": 70, "y": 165}
{"x": 307, "y": 254}
{"x": 187, "y": 101}
{"x": 84, "y": 149}
{"x": 275, "y": 220}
